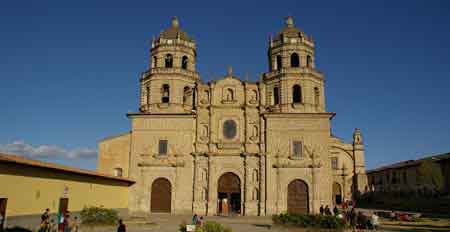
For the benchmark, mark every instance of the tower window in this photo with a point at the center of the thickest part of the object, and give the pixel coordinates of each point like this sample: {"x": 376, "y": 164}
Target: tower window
{"x": 308, "y": 61}
{"x": 186, "y": 94}
{"x": 279, "y": 63}
{"x": 297, "y": 94}
{"x": 316, "y": 96}
{"x": 155, "y": 62}
{"x": 162, "y": 147}
{"x": 184, "y": 62}
{"x": 148, "y": 95}
{"x": 295, "y": 60}
{"x": 297, "y": 149}
{"x": 165, "y": 93}
{"x": 169, "y": 61}
{"x": 276, "y": 96}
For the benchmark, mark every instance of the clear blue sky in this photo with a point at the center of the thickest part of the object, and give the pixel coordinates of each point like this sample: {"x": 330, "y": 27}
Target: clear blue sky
{"x": 69, "y": 69}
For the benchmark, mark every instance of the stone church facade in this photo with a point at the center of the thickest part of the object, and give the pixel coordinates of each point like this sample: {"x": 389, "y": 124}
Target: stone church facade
{"x": 229, "y": 145}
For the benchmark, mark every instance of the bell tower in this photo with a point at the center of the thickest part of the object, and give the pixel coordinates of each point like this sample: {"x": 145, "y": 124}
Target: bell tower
{"x": 168, "y": 86}
{"x": 293, "y": 84}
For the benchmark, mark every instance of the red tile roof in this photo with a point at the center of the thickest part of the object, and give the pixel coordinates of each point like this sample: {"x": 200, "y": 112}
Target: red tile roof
{"x": 15, "y": 159}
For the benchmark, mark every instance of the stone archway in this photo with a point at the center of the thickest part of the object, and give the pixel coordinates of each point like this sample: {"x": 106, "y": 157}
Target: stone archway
{"x": 229, "y": 194}
{"x": 161, "y": 196}
{"x": 297, "y": 198}
{"x": 337, "y": 194}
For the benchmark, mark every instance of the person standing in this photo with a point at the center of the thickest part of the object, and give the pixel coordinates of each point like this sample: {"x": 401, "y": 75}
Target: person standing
{"x": 66, "y": 223}
{"x": 321, "y": 210}
{"x": 2, "y": 221}
{"x": 75, "y": 224}
{"x": 327, "y": 210}
{"x": 374, "y": 220}
{"x": 335, "y": 210}
{"x": 194, "y": 219}
{"x": 46, "y": 215}
{"x": 121, "y": 227}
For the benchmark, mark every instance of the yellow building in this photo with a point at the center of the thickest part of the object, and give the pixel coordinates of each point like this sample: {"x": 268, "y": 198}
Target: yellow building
{"x": 28, "y": 187}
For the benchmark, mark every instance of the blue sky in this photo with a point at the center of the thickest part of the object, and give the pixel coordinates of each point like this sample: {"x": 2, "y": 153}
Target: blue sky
{"x": 69, "y": 69}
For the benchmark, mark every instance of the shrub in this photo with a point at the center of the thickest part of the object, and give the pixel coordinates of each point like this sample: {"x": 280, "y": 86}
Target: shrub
{"x": 99, "y": 216}
{"x": 207, "y": 227}
{"x": 309, "y": 220}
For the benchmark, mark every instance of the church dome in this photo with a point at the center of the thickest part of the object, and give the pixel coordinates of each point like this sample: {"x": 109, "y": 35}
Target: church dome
{"x": 289, "y": 31}
{"x": 175, "y": 32}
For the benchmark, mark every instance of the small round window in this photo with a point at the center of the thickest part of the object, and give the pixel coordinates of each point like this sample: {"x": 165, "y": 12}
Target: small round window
{"x": 229, "y": 129}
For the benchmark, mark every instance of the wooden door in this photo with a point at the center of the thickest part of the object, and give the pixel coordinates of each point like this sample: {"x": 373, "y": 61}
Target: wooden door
{"x": 297, "y": 199}
{"x": 63, "y": 205}
{"x": 3, "y": 202}
{"x": 161, "y": 196}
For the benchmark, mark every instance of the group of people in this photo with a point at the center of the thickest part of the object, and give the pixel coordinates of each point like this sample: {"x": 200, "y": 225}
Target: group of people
{"x": 357, "y": 220}
{"x": 327, "y": 211}
{"x": 64, "y": 224}
{"x": 197, "y": 221}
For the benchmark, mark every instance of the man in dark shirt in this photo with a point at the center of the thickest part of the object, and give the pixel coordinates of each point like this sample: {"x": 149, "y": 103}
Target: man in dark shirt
{"x": 121, "y": 227}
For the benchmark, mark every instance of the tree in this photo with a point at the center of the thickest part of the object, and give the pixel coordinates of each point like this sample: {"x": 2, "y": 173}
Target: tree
{"x": 430, "y": 175}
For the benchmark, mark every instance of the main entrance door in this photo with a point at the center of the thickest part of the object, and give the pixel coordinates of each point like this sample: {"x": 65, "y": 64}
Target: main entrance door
{"x": 297, "y": 199}
{"x": 337, "y": 194}
{"x": 229, "y": 194}
{"x": 161, "y": 196}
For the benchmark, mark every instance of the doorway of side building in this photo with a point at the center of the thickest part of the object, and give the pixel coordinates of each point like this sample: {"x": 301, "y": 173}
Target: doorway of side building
{"x": 161, "y": 196}
{"x": 229, "y": 194}
{"x": 337, "y": 194}
{"x": 3, "y": 202}
{"x": 297, "y": 198}
{"x": 63, "y": 206}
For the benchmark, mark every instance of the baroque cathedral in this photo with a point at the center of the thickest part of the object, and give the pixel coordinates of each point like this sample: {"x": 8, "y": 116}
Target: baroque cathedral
{"x": 231, "y": 146}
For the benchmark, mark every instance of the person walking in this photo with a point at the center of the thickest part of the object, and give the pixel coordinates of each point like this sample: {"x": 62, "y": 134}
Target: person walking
{"x": 352, "y": 218}
{"x": 121, "y": 227}
{"x": 321, "y": 210}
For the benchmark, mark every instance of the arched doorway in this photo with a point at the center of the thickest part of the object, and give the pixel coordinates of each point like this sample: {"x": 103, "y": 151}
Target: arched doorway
{"x": 161, "y": 196}
{"x": 297, "y": 199}
{"x": 337, "y": 194}
{"x": 229, "y": 194}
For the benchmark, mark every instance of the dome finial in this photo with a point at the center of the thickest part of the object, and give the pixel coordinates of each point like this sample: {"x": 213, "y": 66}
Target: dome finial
{"x": 230, "y": 71}
{"x": 175, "y": 22}
{"x": 289, "y": 21}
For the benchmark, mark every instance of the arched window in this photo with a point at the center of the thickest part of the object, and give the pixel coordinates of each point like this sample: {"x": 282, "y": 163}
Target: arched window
{"x": 296, "y": 94}
{"x": 229, "y": 95}
{"x": 316, "y": 96}
{"x": 276, "y": 96}
{"x": 165, "y": 92}
{"x": 169, "y": 61}
{"x": 279, "y": 64}
{"x": 155, "y": 62}
{"x": 308, "y": 61}
{"x": 118, "y": 172}
{"x": 295, "y": 60}
{"x": 186, "y": 95}
{"x": 184, "y": 62}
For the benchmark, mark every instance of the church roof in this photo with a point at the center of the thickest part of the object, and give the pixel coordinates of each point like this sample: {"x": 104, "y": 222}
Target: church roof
{"x": 175, "y": 32}
{"x": 289, "y": 30}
